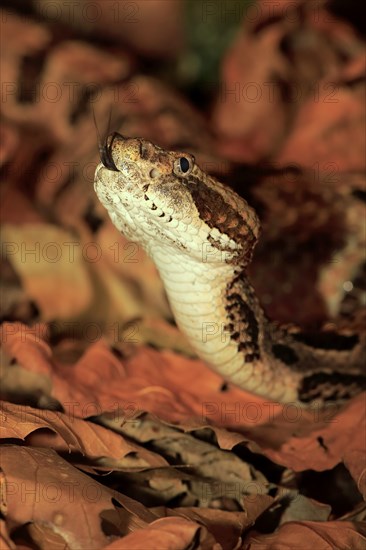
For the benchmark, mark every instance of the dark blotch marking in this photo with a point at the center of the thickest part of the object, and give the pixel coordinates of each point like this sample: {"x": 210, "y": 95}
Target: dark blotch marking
{"x": 250, "y": 357}
{"x": 216, "y": 212}
{"x": 307, "y": 391}
{"x": 285, "y": 354}
{"x": 247, "y": 315}
{"x": 328, "y": 340}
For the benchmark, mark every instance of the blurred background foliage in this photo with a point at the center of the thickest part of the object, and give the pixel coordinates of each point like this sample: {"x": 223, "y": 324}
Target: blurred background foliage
{"x": 210, "y": 28}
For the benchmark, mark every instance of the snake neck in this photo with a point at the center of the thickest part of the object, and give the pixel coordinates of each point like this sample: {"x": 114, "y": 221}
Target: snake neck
{"x": 215, "y": 305}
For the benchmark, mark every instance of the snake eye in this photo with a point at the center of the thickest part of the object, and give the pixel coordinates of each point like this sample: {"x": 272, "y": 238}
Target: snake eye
{"x": 183, "y": 165}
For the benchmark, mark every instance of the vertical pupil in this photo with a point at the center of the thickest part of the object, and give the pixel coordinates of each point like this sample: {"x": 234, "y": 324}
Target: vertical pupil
{"x": 184, "y": 164}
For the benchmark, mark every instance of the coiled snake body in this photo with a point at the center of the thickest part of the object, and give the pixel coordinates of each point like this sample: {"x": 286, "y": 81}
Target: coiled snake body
{"x": 201, "y": 236}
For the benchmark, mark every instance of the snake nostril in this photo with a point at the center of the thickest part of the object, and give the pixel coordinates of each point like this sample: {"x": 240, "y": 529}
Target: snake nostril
{"x": 144, "y": 150}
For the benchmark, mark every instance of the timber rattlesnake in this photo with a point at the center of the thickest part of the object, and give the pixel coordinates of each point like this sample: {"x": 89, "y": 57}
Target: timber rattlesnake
{"x": 201, "y": 236}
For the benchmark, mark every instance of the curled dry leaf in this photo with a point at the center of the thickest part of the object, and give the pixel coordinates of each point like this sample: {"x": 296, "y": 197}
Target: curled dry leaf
{"x": 167, "y": 534}
{"x": 331, "y": 535}
{"x": 334, "y": 136}
{"x": 226, "y": 527}
{"x": 36, "y": 353}
{"x": 52, "y": 491}
{"x": 213, "y": 475}
{"x": 66, "y": 433}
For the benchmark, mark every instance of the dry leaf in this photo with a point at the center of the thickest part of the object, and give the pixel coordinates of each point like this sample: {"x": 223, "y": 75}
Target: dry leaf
{"x": 226, "y": 527}
{"x": 50, "y": 264}
{"x": 66, "y": 433}
{"x": 331, "y": 139}
{"x": 332, "y": 535}
{"x": 42, "y": 487}
{"x": 167, "y": 534}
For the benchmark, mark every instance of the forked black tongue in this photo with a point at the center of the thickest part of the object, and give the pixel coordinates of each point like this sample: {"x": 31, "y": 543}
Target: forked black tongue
{"x": 105, "y": 150}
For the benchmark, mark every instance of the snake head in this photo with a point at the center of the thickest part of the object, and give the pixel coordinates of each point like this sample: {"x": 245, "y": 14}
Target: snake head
{"x": 163, "y": 198}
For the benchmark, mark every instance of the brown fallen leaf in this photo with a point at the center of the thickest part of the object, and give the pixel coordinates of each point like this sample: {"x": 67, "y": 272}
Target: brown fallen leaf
{"x": 226, "y": 527}
{"x": 41, "y": 487}
{"x": 66, "y": 433}
{"x": 50, "y": 264}
{"x": 5, "y": 541}
{"x": 321, "y": 137}
{"x": 15, "y": 209}
{"x": 138, "y": 24}
{"x": 330, "y": 535}
{"x": 250, "y": 116}
{"x": 129, "y": 276}
{"x": 37, "y": 352}
{"x": 167, "y": 534}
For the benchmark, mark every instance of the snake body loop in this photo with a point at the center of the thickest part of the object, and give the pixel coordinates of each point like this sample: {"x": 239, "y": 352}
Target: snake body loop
{"x": 201, "y": 236}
